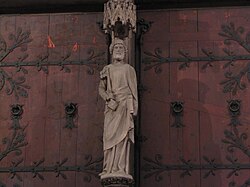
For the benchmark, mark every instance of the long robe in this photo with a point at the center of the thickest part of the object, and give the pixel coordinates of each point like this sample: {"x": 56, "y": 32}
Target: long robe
{"x": 118, "y": 82}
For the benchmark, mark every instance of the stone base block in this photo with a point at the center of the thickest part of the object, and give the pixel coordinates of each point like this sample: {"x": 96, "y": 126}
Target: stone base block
{"x": 117, "y": 182}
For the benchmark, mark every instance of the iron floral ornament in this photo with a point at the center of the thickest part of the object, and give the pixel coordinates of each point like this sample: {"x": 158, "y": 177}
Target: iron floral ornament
{"x": 234, "y": 80}
{"x": 15, "y": 84}
{"x": 234, "y": 139}
{"x": 17, "y": 140}
{"x": 59, "y": 169}
{"x": 155, "y": 167}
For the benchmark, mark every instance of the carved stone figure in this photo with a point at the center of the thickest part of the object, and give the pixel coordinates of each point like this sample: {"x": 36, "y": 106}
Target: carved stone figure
{"x": 118, "y": 87}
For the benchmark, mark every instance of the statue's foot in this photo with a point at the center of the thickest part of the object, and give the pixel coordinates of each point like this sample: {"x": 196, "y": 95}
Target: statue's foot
{"x": 102, "y": 173}
{"x": 122, "y": 174}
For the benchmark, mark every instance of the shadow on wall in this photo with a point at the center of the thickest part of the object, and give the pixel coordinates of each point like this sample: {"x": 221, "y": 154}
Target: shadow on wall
{"x": 208, "y": 145}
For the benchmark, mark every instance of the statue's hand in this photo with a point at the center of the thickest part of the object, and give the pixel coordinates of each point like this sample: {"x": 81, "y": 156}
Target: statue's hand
{"x": 112, "y": 104}
{"x": 109, "y": 97}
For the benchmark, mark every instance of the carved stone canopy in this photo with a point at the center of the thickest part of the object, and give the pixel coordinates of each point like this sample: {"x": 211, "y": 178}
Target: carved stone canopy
{"x": 120, "y": 17}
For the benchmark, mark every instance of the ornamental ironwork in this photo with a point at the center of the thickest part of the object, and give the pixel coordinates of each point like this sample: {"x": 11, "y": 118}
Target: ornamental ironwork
{"x": 155, "y": 167}
{"x": 234, "y": 139}
{"x": 15, "y": 85}
{"x": 233, "y": 81}
{"x": 4, "y": 185}
{"x": 17, "y": 140}
{"x": 91, "y": 168}
{"x": 16, "y": 115}
{"x": 70, "y": 112}
{"x": 143, "y": 27}
{"x": 246, "y": 184}
{"x": 177, "y": 108}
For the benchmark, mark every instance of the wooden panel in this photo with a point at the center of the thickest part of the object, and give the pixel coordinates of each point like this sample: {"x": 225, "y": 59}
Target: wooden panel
{"x": 53, "y": 116}
{"x": 68, "y": 139}
{"x": 184, "y": 87}
{"x": 189, "y": 34}
{"x": 34, "y": 151}
{"x": 155, "y": 124}
{"x": 48, "y": 139}
{"x": 7, "y": 26}
{"x": 240, "y": 18}
{"x": 90, "y": 105}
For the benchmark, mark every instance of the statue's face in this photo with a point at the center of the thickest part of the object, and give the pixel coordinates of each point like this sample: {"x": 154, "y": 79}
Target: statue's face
{"x": 118, "y": 52}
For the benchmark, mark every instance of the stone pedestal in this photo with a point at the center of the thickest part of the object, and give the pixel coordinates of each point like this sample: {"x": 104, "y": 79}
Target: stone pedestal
{"x": 117, "y": 182}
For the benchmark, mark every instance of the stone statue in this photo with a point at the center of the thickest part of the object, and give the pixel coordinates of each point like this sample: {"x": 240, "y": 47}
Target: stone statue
{"x": 118, "y": 87}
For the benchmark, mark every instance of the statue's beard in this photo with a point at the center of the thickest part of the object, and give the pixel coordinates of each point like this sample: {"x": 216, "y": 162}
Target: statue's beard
{"x": 118, "y": 57}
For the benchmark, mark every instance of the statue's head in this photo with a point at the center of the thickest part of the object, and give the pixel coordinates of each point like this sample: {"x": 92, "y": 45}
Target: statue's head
{"x": 118, "y": 49}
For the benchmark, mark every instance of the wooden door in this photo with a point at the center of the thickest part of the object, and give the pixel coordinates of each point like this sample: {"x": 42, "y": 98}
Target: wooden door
{"x": 51, "y": 115}
{"x": 194, "y": 99}
{"x": 195, "y": 75}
